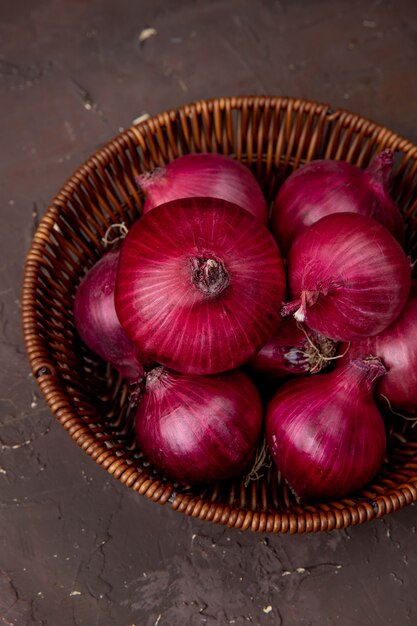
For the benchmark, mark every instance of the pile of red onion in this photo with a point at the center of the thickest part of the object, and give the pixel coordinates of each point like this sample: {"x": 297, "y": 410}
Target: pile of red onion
{"x": 198, "y": 310}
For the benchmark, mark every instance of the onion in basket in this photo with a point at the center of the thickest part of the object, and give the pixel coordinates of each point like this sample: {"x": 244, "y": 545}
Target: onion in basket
{"x": 293, "y": 350}
{"x": 323, "y": 187}
{"x": 325, "y": 432}
{"x": 348, "y": 276}
{"x": 96, "y": 321}
{"x": 397, "y": 348}
{"x": 199, "y": 286}
{"x": 198, "y": 175}
{"x": 198, "y": 429}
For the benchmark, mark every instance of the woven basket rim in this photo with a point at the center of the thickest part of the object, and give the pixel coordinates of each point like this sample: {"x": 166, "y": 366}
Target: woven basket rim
{"x": 395, "y": 141}
{"x": 336, "y": 515}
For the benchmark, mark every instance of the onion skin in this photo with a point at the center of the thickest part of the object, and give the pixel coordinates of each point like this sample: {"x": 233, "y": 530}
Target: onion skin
{"x": 322, "y": 187}
{"x": 206, "y": 174}
{"x": 348, "y": 276}
{"x": 200, "y": 285}
{"x": 397, "y": 348}
{"x": 199, "y": 429}
{"x": 293, "y": 350}
{"x": 325, "y": 433}
{"x": 96, "y": 321}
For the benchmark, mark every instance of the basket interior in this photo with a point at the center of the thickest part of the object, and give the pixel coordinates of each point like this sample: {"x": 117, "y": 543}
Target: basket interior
{"x": 273, "y": 136}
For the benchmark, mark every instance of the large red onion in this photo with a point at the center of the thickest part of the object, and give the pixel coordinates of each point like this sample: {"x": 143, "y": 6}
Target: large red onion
{"x": 198, "y": 429}
{"x": 211, "y": 175}
{"x": 396, "y": 346}
{"x": 323, "y": 187}
{"x": 96, "y": 320}
{"x": 349, "y": 277}
{"x": 293, "y": 350}
{"x": 325, "y": 433}
{"x": 200, "y": 285}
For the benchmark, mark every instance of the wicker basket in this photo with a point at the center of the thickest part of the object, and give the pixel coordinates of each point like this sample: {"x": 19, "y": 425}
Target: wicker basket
{"x": 273, "y": 136}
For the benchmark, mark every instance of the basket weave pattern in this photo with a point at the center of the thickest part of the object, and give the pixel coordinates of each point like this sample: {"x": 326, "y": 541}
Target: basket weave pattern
{"x": 273, "y": 136}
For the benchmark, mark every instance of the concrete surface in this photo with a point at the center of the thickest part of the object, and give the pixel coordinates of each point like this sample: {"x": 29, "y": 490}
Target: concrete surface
{"x": 76, "y": 546}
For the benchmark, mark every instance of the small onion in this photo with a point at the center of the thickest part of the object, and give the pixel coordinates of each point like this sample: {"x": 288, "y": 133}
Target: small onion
{"x": 325, "y": 433}
{"x": 200, "y": 285}
{"x": 210, "y": 175}
{"x": 96, "y": 321}
{"x": 396, "y": 346}
{"x": 323, "y": 187}
{"x": 349, "y": 277}
{"x": 198, "y": 429}
{"x": 293, "y": 350}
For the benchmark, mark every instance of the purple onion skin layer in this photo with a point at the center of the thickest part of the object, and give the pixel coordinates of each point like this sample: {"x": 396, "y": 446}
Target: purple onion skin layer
{"x": 397, "y": 348}
{"x": 348, "y": 276}
{"x": 293, "y": 350}
{"x": 199, "y": 429}
{"x": 96, "y": 321}
{"x": 200, "y": 285}
{"x": 204, "y": 175}
{"x": 325, "y": 433}
{"x": 322, "y": 187}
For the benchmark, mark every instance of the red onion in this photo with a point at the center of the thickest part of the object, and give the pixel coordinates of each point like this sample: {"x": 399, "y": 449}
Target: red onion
{"x": 198, "y": 429}
{"x": 294, "y": 349}
{"x": 350, "y": 278}
{"x": 325, "y": 432}
{"x": 397, "y": 348}
{"x": 96, "y": 320}
{"x": 323, "y": 187}
{"x": 210, "y": 175}
{"x": 200, "y": 285}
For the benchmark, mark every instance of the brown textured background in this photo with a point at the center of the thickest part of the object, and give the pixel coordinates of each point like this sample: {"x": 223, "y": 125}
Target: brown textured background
{"x": 76, "y": 546}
